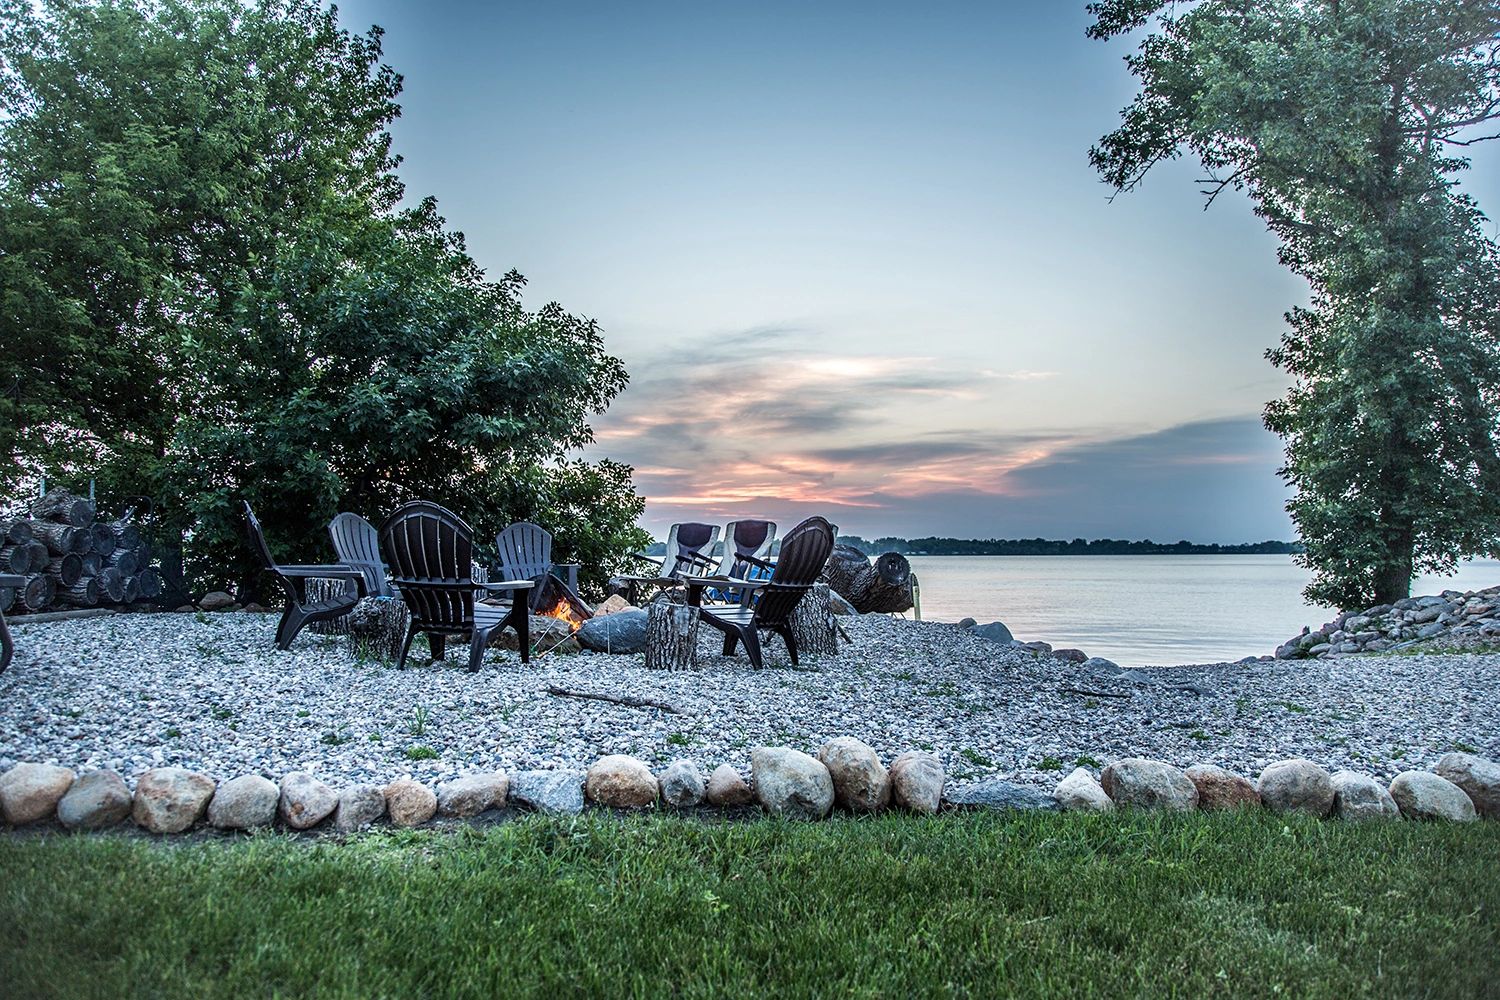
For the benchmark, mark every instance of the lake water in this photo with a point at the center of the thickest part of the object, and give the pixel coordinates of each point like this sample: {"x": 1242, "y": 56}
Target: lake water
{"x": 1144, "y": 610}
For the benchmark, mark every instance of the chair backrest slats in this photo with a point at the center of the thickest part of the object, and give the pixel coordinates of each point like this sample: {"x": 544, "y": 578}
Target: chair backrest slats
{"x": 430, "y": 552}
{"x": 357, "y": 544}
{"x": 804, "y": 552}
{"x": 689, "y": 538}
{"x": 258, "y": 537}
{"x": 525, "y": 551}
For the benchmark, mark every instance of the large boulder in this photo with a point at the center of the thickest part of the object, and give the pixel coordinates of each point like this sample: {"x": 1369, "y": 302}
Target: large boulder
{"x": 1359, "y": 797}
{"x": 557, "y": 792}
{"x": 1148, "y": 784}
{"x": 360, "y": 806}
{"x": 860, "y": 782}
{"x": 409, "y": 802}
{"x": 790, "y": 783}
{"x": 171, "y": 799}
{"x": 621, "y": 632}
{"x": 613, "y": 604}
{"x": 244, "y": 803}
{"x": 472, "y": 794}
{"x": 1079, "y": 792}
{"x": 31, "y": 792}
{"x": 305, "y": 801}
{"x": 917, "y": 782}
{"x": 96, "y": 800}
{"x": 994, "y": 631}
{"x": 620, "y": 782}
{"x": 1296, "y": 785}
{"x": 1221, "y": 789}
{"x": 681, "y": 784}
{"x": 997, "y": 794}
{"x": 726, "y": 788}
{"x": 1429, "y": 796}
{"x": 1479, "y": 778}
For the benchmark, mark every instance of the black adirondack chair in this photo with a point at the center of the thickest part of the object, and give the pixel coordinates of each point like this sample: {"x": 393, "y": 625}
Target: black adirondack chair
{"x": 7, "y": 644}
{"x": 690, "y": 547}
{"x": 526, "y": 554}
{"x": 293, "y": 580}
{"x": 356, "y": 543}
{"x": 430, "y": 551}
{"x": 803, "y": 555}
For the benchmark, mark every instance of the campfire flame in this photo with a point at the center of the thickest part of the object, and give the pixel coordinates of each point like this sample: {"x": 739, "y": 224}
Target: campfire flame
{"x": 563, "y": 611}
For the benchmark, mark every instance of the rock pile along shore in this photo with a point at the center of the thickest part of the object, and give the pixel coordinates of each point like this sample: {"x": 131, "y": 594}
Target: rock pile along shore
{"x": 1449, "y": 617}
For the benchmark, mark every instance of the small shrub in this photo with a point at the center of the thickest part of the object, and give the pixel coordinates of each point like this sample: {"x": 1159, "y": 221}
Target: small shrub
{"x": 1049, "y": 763}
{"x": 420, "y": 751}
{"x": 419, "y": 718}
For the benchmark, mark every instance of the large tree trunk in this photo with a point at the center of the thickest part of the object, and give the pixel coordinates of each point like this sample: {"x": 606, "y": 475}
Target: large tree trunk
{"x": 671, "y": 636}
{"x": 64, "y": 508}
{"x": 881, "y": 587}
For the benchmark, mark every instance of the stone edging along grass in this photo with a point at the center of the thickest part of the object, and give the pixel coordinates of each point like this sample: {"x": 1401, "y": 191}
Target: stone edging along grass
{"x": 846, "y": 774}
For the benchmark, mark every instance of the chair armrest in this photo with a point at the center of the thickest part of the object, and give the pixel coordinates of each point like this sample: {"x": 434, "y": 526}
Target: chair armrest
{"x": 642, "y": 556}
{"x": 333, "y": 571}
{"x": 503, "y": 586}
{"x": 762, "y": 563}
{"x": 8, "y": 580}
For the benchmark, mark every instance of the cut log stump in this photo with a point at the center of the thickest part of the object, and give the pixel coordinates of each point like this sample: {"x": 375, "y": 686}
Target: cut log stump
{"x": 812, "y": 624}
{"x": 671, "y": 636}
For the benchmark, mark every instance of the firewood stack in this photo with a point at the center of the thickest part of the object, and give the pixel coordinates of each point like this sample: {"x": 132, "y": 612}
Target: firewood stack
{"x": 71, "y": 560}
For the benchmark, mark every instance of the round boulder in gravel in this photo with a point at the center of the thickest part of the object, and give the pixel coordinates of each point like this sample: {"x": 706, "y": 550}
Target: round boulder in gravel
{"x": 790, "y": 783}
{"x": 360, "y": 806}
{"x": 305, "y": 801}
{"x": 1079, "y": 792}
{"x": 1359, "y": 797}
{"x": 1148, "y": 784}
{"x": 97, "y": 800}
{"x": 996, "y": 794}
{"x": 1221, "y": 789}
{"x": 618, "y": 781}
{"x": 171, "y": 799}
{"x": 726, "y": 788}
{"x": 557, "y": 792}
{"x": 1429, "y": 796}
{"x": 621, "y": 632}
{"x": 860, "y": 782}
{"x": 1479, "y": 778}
{"x": 31, "y": 792}
{"x": 244, "y": 803}
{"x": 409, "y": 803}
{"x": 994, "y": 631}
{"x": 215, "y": 600}
{"x": 917, "y": 782}
{"x": 681, "y": 784}
{"x": 1296, "y": 785}
{"x": 472, "y": 794}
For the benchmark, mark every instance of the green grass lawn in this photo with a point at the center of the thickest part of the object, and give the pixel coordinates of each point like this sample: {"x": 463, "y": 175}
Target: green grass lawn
{"x": 1029, "y": 905}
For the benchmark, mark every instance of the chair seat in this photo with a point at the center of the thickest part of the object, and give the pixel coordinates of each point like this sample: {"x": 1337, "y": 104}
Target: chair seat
{"x": 732, "y": 614}
{"x": 336, "y": 602}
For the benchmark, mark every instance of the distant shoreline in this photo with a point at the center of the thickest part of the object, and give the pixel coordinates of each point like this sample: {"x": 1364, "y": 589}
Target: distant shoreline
{"x": 933, "y": 546}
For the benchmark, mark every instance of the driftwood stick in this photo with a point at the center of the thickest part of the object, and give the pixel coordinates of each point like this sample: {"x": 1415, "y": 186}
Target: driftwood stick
{"x": 1092, "y": 694}
{"x": 629, "y": 701}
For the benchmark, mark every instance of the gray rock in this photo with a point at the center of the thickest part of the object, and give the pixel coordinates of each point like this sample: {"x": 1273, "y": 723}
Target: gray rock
{"x": 1479, "y": 778}
{"x": 409, "y": 803}
{"x": 621, "y": 632}
{"x": 620, "y": 782}
{"x": 966, "y": 623}
{"x": 1079, "y": 792}
{"x": 1100, "y": 663}
{"x": 1429, "y": 796}
{"x": 790, "y": 783}
{"x": 994, "y": 631}
{"x": 997, "y": 794}
{"x": 1359, "y": 797}
{"x": 31, "y": 792}
{"x": 917, "y": 781}
{"x": 1296, "y": 785}
{"x": 1428, "y": 631}
{"x": 170, "y": 799}
{"x": 472, "y": 794}
{"x": 556, "y": 792}
{"x": 215, "y": 600}
{"x": 305, "y": 801}
{"x": 1149, "y": 784}
{"x": 1071, "y": 655}
{"x": 244, "y": 803}
{"x": 726, "y": 788}
{"x": 681, "y": 784}
{"x": 1356, "y": 623}
{"x": 1038, "y": 647}
{"x": 96, "y": 800}
{"x": 360, "y": 806}
{"x": 1320, "y": 649}
{"x": 860, "y": 782}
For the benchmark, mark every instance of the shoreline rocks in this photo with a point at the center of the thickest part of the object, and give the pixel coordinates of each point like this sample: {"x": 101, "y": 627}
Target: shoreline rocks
{"x": 1149, "y": 784}
{"x": 1450, "y": 616}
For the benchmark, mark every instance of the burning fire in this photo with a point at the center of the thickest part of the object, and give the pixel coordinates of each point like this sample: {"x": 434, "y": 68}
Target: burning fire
{"x": 563, "y": 611}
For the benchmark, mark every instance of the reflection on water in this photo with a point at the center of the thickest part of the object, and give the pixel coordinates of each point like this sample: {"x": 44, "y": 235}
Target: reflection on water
{"x": 1143, "y": 610}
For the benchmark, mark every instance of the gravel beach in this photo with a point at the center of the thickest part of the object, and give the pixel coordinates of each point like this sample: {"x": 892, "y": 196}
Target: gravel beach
{"x": 211, "y": 692}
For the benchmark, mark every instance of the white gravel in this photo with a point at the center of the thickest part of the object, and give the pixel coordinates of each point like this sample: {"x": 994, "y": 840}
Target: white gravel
{"x": 211, "y": 692}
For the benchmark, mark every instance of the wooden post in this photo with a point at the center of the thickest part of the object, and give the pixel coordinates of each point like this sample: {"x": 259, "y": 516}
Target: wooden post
{"x": 812, "y": 624}
{"x": 671, "y": 636}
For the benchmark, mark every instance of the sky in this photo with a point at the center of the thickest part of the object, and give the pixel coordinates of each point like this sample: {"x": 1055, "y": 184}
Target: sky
{"x": 857, "y": 263}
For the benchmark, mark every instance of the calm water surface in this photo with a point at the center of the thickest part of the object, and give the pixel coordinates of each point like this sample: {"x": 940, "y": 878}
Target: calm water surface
{"x": 1144, "y": 610}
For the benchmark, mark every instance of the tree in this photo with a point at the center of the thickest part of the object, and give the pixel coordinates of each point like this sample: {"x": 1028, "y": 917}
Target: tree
{"x": 215, "y": 290}
{"x": 1345, "y": 121}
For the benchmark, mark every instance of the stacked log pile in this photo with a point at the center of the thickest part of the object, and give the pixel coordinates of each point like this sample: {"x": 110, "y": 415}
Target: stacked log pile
{"x": 71, "y": 559}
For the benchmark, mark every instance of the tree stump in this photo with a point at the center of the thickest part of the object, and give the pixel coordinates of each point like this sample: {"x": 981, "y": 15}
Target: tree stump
{"x": 376, "y": 626}
{"x": 320, "y": 589}
{"x": 812, "y": 624}
{"x": 671, "y": 636}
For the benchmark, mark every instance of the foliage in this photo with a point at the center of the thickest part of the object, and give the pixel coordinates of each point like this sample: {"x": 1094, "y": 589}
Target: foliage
{"x": 1343, "y": 122}
{"x": 1024, "y": 905}
{"x": 199, "y": 209}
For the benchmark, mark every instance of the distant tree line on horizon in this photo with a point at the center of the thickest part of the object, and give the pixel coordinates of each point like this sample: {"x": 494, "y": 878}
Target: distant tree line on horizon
{"x": 1057, "y": 547}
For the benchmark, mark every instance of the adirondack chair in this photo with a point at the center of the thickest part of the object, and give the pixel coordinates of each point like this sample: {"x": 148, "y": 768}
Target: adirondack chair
{"x": 430, "y": 551}
{"x": 357, "y": 544}
{"x": 7, "y": 645}
{"x": 300, "y": 611}
{"x": 526, "y": 554}
{"x": 803, "y": 554}
{"x": 690, "y": 548}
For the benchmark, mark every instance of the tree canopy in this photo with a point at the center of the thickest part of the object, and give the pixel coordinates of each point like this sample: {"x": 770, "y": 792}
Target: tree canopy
{"x": 1346, "y": 121}
{"x": 212, "y": 286}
